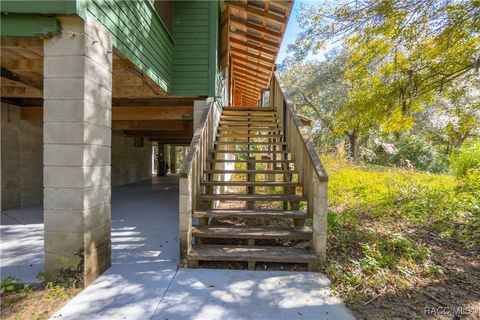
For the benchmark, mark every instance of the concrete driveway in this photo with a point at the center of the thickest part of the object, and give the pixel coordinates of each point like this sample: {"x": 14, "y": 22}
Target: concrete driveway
{"x": 144, "y": 281}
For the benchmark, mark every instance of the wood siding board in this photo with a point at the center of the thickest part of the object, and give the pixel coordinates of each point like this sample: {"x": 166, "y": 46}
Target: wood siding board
{"x": 146, "y": 43}
{"x": 40, "y": 7}
{"x": 213, "y": 48}
{"x": 192, "y": 50}
{"x": 161, "y": 36}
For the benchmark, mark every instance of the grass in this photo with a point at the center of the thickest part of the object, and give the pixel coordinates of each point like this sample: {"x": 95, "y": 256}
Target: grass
{"x": 36, "y": 301}
{"x": 397, "y": 236}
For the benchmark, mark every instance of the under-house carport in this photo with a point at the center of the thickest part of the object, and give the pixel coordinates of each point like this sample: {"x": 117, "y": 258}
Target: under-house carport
{"x": 78, "y": 118}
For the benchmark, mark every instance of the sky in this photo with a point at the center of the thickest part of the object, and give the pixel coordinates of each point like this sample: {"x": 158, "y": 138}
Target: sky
{"x": 293, "y": 29}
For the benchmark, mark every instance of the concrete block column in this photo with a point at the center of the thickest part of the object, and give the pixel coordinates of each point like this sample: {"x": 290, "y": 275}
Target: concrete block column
{"x": 77, "y": 157}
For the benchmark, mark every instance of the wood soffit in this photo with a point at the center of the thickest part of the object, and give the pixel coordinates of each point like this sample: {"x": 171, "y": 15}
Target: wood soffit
{"x": 254, "y": 31}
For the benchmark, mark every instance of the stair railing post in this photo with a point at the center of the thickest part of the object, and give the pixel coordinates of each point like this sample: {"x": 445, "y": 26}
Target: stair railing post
{"x": 319, "y": 211}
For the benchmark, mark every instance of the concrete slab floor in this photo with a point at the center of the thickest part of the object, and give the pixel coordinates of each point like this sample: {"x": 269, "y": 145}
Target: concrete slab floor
{"x": 144, "y": 281}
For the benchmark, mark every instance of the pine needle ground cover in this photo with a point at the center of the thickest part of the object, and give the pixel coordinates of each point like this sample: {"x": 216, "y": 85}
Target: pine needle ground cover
{"x": 404, "y": 244}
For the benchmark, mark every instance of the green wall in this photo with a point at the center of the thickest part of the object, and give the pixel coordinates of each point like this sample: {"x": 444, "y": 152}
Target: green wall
{"x": 139, "y": 33}
{"x": 39, "y": 6}
{"x": 195, "y": 30}
{"x": 183, "y": 64}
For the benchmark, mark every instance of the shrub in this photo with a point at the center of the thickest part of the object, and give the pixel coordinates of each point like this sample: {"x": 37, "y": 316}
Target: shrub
{"x": 468, "y": 157}
{"x": 421, "y": 153}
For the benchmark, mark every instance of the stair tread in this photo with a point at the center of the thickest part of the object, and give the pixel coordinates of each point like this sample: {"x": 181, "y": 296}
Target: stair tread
{"x": 251, "y": 197}
{"x": 247, "y": 117}
{"x": 248, "y": 108}
{"x": 250, "y": 161}
{"x": 251, "y": 151}
{"x": 250, "y": 253}
{"x": 251, "y": 183}
{"x": 230, "y": 232}
{"x": 242, "y": 143}
{"x": 219, "y": 213}
{"x": 253, "y": 171}
{"x": 229, "y": 128}
{"x": 249, "y": 135}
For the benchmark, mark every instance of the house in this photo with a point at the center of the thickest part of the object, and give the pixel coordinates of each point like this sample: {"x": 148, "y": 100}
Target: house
{"x": 88, "y": 86}
{"x": 385, "y": 151}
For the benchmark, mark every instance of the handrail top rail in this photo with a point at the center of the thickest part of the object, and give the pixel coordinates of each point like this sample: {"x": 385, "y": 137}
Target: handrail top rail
{"x": 317, "y": 163}
{"x": 196, "y": 140}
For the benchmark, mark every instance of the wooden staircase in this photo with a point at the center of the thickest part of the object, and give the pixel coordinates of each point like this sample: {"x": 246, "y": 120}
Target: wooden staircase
{"x": 249, "y": 182}
{"x": 255, "y": 216}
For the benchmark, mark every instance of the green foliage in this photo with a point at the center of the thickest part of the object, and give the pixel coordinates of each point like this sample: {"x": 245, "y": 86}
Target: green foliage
{"x": 468, "y": 157}
{"x": 380, "y": 221}
{"x": 410, "y": 65}
{"x": 422, "y": 154}
{"x": 401, "y": 51}
{"x": 8, "y": 284}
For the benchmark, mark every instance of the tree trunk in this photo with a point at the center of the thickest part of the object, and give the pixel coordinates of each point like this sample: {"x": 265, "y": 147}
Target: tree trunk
{"x": 352, "y": 148}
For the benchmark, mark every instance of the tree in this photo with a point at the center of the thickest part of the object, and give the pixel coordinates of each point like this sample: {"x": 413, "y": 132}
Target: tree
{"x": 340, "y": 106}
{"x": 408, "y": 50}
{"x": 455, "y": 114}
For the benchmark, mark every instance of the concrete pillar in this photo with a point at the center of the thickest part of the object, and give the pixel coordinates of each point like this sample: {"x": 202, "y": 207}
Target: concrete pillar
{"x": 77, "y": 150}
{"x": 173, "y": 159}
{"x": 198, "y": 109}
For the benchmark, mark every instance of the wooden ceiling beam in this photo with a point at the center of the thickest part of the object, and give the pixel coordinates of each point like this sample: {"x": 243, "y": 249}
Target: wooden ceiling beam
{"x": 170, "y": 102}
{"x": 157, "y": 102}
{"x": 25, "y": 65}
{"x": 20, "y": 92}
{"x": 253, "y": 92}
{"x": 126, "y": 113}
{"x": 251, "y": 79}
{"x": 159, "y": 133}
{"x": 252, "y": 46}
{"x": 152, "y": 125}
{"x": 246, "y": 84}
{"x": 243, "y": 22}
{"x": 247, "y": 73}
{"x": 257, "y": 12}
{"x": 17, "y": 77}
{"x": 185, "y": 140}
{"x": 250, "y": 36}
{"x": 8, "y": 42}
{"x": 244, "y": 61}
{"x": 253, "y": 55}
{"x": 241, "y": 65}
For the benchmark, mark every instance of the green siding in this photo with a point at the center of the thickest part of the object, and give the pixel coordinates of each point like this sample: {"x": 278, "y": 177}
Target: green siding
{"x": 40, "y": 6}
{"x": 183, "y": 65}
{"x": 28, "y": 25}
{"x": 138, "y": 33}
{"x": 195, "y": 30}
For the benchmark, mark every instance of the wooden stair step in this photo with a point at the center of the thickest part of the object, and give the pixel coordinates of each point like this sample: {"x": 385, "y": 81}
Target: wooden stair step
{"x": 217, "y": 213}
{"x": 250, "y": 197}
{"x": 247, "y": 123}
{"x": 259, "y": 136}
{"x": 227, "y": 232}
{"x": 251, "y": 151}
{"x": 247, "y": 118}
{"x": 268, "y": 129}
{"x": 246, "y": 143}
{"x": 249, "y": 161}
{"x": 250, "y": 253}
{"x": 251, "y": 183}
{"x": 248, "y": 108}
{"x": 252, "y": 171}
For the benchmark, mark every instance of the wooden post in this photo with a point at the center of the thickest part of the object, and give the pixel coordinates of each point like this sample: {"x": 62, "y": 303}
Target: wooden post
{"x": 319, "y": 204}
{"x": 173, "y": 159}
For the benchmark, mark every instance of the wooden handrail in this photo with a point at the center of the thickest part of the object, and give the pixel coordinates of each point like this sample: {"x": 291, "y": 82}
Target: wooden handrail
{"x": 196, "y": 143}
{"x": 311, "y": 172}
{"x": 303, "y": 131}
{"x": 192, "y": 172}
